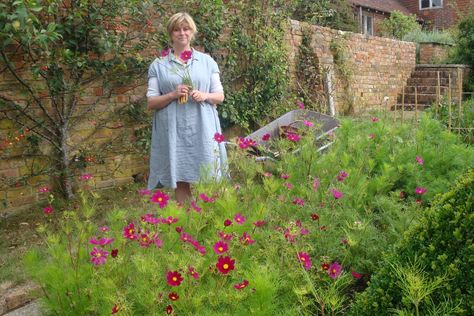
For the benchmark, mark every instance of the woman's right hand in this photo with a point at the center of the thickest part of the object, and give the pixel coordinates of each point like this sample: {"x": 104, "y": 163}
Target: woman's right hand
{"x": 181, "y": 90}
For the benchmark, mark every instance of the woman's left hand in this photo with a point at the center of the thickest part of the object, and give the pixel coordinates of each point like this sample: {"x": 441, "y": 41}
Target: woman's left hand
{"x": 198, "y": 96}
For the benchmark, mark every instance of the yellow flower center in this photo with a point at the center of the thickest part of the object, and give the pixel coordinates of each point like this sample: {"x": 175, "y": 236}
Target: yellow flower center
{"x": 302, "y": 259}
{"x": 220, "y": 249}
{"x": 98, "y": 254}
{"x": 225, "y": 266}
{"x": 175, "y": 279}
{"x": 160, "y": 199}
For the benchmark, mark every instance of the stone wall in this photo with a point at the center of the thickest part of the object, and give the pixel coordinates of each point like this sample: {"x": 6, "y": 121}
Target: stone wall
{"x": 378, "y": 67}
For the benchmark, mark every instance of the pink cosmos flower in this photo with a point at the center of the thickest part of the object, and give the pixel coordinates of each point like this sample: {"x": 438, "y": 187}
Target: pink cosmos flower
{"x": 186, "y": 237}
{"x": 240, "y": 286}
{"x": 419, "y": 160}
{"x": 284, "y": 176}
{"x": 259, "y": 223}
{"x": 174, "y": 278}
{"x": 193, "y": 273}
{"x": 334, "y": 270}
{"x": 129, "y": 232}
{"x": 170, "y": 220}
{"x": 300, "y": 105}
{"x": 98, "y": 256}
{"x": 246, "y": 142}
{"x": 48, "y": 209}
{"x": 43, "y": 190}
{"x": 186, "y": 55}
{"x": 316, "y": 184}
{"x": 308, "y": 123}
{"x": 342, "y": 175}
{"x": 195, "y": 206}
{"x": 266, "y": 137}
{"x": 239, "y": 219}
{"x": 145, "y": 240}
{"x": 158, "y": 242}
{"x": 101, "y": 242}
{"x": 298, "y": 201}
{"x": 304, "y": 231}
{"x": 86, "y": 177}
{"x": 375, "y": 119}
{"x": 246, "y": 239}
{"x": 160, "y": 198}
{"x": 225, "y": 264}
{"x": 420, "y": 190}
{"x": 305, "y": 259}
{"x": 206, "y": 198}
{"x": 165, "y": 52}
{"x": 227, "y": 222}
{"x": 219, "y": 138}
{"x": 104, "y": 229}
{"x": 220, "y": 247}
{"x": 288, "y": 185}
{"x": 336, "y": 194}
{"x": 356, "y": 275}
{"x": 293, "y": 137}
{"x": 224, "y": 236}
{"x": 371, "y": 136}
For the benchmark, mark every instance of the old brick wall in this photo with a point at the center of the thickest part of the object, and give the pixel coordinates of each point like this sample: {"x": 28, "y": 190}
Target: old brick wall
{"x": 433, "y": 53}
{"x": 441, "y": 18}
{"x": 379, "y": 66}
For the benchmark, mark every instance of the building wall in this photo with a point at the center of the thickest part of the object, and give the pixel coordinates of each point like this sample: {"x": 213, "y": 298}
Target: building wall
{"x": 441, "y": 18}
{"x": 379, "y": 66}
{"x": 377, "y": 16}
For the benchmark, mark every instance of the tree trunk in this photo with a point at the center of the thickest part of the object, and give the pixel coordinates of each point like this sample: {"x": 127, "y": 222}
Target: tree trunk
{"x": 65, "y": 176}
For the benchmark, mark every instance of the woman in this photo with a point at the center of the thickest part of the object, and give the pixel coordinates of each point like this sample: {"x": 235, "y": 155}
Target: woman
{"x": 183, "y": 149}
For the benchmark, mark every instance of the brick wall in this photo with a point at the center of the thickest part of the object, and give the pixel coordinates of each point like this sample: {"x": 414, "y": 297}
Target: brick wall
{"x": 433, "y": 53}
{"x": 380, "y": 66}
{"x": 441, "y": 18}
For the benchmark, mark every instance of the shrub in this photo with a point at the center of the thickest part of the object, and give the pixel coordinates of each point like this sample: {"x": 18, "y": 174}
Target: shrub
{"x": 441, "y": 244}
{"x": 398, "y": 25}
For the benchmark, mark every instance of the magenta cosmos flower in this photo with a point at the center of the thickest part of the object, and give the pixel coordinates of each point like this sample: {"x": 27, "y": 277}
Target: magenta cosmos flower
{"x": 293, "y": 137}
{"x": 266, "y": 137}
{"x": 300, "y": 105}
{"x": 239, "y": 219}
{"x": 219, "y": 137}
{"x": 225, "y": 264}
{"x": 240, "y": 286}
{"x": 195, "y": 206}
{"x": 165, "y": 52}
{"x": 305, "y": 259}
{"x": 336, "y": 194}
{"x": 173, "y": 296}
{"x": 129, "y": 232}
{"x": 86, "y": 177}
{"x": 316, "y": 184}
{"x": 220, "y": 247}
{"x": 246, "y": 239}
{"x": 186, "y": 55}
{"x": 101, "y": 242}
{"x": 342, "y": 175}
{"x": 227, "y": 222}
{"x": 48, "y": 209}
{"x": 98, "y": 256}
{"x": 298, "y": 201}
{"x": 207, "y": 199}
{"x": 174, "y": 278}
{"x": 419, "y": 160}
{"x": 334, "y": 270}
{"x": 420, "y": 190}
{"x": 193, "y": 273}
{"x": 160, "y": 198}
{"x": 308, "y": 123}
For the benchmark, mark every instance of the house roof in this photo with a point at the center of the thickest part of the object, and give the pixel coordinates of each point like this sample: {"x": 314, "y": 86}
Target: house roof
{"x": 382, "y": 5}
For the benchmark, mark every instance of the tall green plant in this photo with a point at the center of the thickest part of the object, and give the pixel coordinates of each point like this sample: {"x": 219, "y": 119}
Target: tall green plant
{"x": 398, "y": 25}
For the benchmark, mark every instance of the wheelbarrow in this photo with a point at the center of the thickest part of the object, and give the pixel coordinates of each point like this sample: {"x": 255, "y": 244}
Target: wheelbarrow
{"x": 292, "y": 121}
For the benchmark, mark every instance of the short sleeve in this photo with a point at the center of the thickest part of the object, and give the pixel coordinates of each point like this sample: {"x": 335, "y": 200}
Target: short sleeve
{"x": 153, "y": 84}
{"x": 216, "y": 85}
{"x": 214, "y": 67}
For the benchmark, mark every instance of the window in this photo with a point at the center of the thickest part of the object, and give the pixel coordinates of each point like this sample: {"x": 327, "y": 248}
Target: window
{"x": 367, "y": 25}
{"x": 431, "y": 4}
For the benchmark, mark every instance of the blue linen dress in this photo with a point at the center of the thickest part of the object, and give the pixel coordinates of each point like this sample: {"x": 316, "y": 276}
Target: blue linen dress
{"x": 182, "y": 144}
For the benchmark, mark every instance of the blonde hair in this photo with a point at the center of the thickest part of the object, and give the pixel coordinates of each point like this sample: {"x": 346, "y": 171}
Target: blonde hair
{"x": 179, "y": 18}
